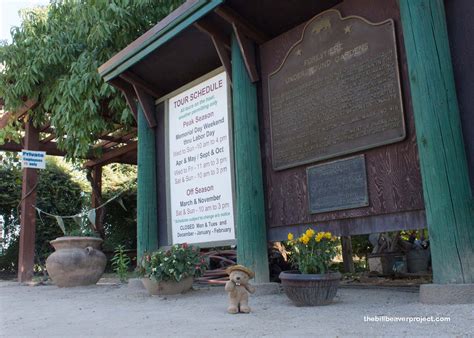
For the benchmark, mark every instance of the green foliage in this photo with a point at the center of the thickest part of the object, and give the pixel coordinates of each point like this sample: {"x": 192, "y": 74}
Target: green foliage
{"x": 312, "y": 253}
{"x": 57, "y": 193}
{"x": 179, "y": 262}
{"x": 54, "y": 57}
{"x": 361, "y": 246}
{"x": 121, "y": 263}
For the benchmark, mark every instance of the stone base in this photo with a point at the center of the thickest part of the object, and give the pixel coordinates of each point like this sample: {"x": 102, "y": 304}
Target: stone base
{"x": 136, "y": 283}
{"x": 447, "y": 293}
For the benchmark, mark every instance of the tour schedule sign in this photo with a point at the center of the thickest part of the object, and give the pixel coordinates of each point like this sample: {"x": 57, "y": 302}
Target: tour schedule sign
{"x": 200, "y": 171}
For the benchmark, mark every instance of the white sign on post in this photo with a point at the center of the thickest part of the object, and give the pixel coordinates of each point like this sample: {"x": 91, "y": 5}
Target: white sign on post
{"x": 33, "y": 159}
{"x": 200, "y": 174}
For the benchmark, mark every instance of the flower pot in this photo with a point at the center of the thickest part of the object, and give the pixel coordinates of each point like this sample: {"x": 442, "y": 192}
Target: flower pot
{"x": 169, "y": 287}
{"x": 77, "y": 261}
{"x": 310, "y": 289}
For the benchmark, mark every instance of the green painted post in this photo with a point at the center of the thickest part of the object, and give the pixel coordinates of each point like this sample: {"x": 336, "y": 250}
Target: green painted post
{"x": 147, "y": 215}
{"x": 447, "y": 193}
{"x": 250, "y": 207}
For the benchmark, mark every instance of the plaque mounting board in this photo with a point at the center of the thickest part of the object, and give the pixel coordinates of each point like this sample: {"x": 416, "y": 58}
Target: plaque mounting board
{"x": 338, "y": 185}
{"x": 336, "y": 92}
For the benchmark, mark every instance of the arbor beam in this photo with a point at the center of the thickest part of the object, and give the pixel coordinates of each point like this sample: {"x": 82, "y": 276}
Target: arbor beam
{"x": 446, "y": 190}
{"x": 28, "y": 213}
{"x": 19, "y": 113}
{"x": 112, "y": 155}
{"x": 96, "y": 198}
{"x": 246, "y": 27}
{"x": 250, "y": 206}
{"x": 247, "y": 49}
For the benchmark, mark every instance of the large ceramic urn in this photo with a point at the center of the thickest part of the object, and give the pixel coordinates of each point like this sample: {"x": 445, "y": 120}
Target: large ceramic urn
{"x": 76, "y": 261}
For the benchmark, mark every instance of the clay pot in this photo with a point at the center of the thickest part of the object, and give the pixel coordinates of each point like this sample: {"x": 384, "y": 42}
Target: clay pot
{"x": 76, "y": 261}
{"x": 310, "y": 289}
{"x": 170, "y": 287}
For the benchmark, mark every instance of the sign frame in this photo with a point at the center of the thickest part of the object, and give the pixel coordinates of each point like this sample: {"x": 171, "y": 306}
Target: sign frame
{"x": 362, "y": 204}
{"x": 165, "y": 100}
{"x": 42, "y": 163}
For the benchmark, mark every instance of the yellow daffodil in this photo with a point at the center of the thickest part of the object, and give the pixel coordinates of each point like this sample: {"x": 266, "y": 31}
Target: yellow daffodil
{"x": 304, "y": 239}
{"x": 327, "y": 235}
{"x": 310, "y": 233}
{"x": 319, "y": 236}
{"x": 290, "y": 236}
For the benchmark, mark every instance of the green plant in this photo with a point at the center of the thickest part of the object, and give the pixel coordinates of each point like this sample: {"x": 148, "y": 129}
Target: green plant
{"x": 121, "y": 263}
{"x": 312, "y": 252}
{"x": 178, "y": 262}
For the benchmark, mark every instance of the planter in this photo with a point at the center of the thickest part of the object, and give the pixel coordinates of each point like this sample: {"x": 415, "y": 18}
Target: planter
{"x": 310, "y": 289}
{"x": 77, "y": 261}
{"x": 170, "y": 287}
{"x": 418, "y": 261}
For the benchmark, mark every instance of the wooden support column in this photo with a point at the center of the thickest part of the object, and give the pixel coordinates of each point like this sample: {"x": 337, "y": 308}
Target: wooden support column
{"x": 147, "y": 213}
{"x": 96, "y": 199}
{"x": 347, "y": 254}
{"x": 447, "y": 193}
{"x": 250, "y": 208}
{"x": 28, "y": 212}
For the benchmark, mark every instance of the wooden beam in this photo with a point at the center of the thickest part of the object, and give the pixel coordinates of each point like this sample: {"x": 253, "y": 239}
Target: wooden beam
{"x": 49, "y": 138}
{"x": 19, "y": 113}
{"x": 224, "y": 57}
{"x": 446, "y": 189}
{"x": 28, "y": 213}
{"x": 347, "y": 254}
{"x": 50, "y": 148}
{"x": 112, "y": 155}
{"x": 138, "y": 82}
{"x": 205, "y": 26}
{"x": 250, "y": 205}
{"x": 246, "y": 27}
{"x": 247, "y": 49}
{"x": 128, "y": 92}
{"x": 96, "y": 198}
{"x": 148, "y": 105}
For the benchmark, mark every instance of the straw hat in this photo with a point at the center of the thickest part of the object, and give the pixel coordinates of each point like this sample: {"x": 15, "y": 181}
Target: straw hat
{"x": 240, "y": 268}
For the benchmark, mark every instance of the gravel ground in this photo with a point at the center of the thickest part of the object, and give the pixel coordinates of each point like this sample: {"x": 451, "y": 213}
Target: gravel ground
{"x": 117, "y": 311}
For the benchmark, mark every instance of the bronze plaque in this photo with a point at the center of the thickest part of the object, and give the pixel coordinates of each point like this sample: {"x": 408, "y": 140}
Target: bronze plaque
{"x": 336, "y": 92}
{"x": 337, "y": 185}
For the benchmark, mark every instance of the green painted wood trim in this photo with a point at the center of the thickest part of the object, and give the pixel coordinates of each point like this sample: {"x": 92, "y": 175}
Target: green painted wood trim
{"x": 447, "y": 193}
{"x": 250, "y": 206}
{"x": 169, "y": 32}
{"x": 147, "y": 211}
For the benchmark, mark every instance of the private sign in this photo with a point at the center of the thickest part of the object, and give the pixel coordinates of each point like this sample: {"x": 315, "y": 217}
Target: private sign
{"x": 33, "y": 159}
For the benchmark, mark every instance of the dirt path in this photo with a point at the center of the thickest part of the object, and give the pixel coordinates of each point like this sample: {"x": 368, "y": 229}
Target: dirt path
{"x": 119, "y": 311}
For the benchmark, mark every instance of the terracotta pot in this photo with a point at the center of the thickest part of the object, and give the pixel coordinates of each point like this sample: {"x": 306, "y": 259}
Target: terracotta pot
{"x": 310, "y": 289}
{"x": 170, "y": 287}
{"x": 76, "y": 261}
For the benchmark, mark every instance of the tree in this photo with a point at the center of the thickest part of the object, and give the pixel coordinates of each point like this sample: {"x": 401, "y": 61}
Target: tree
{"x": 54, "y": 57}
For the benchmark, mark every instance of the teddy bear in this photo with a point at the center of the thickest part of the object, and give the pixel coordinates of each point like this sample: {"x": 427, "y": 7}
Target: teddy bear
{"x": 237, "y": 287}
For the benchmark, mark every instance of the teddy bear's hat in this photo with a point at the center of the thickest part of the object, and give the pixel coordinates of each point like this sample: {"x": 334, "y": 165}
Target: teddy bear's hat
{"x": 240, "y": 268}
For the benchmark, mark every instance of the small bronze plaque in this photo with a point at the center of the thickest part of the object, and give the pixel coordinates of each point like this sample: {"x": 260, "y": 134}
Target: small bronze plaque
{"x": 338, "y": 185}
{"x": 336, "y": 92}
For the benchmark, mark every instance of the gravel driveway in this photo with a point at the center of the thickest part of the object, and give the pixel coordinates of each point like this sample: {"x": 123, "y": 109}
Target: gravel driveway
{"x": 111, "y": 310}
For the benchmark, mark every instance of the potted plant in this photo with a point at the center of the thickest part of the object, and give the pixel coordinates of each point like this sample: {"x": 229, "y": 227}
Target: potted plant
{"x": 171, "y": 271}
{"x": 77, "y": 259}
{"x": 313, "y": 283}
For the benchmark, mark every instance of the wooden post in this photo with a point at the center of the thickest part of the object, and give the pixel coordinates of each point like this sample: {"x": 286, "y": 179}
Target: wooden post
{"x": 447, "y": 193}
{"x": 28, "y": 213}
{"x": 96, "y": 198}
{"x": 347, "y": 254}
{"x": 250, "y": 217}
{"x": 147, "y": 214}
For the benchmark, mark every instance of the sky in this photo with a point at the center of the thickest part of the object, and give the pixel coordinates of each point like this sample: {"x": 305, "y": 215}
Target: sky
{"x": 9, "y": 14}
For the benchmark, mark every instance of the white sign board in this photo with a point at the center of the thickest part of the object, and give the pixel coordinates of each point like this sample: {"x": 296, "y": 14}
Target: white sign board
{"x": 33, "y": 159}
{"x": 200, "y": 171}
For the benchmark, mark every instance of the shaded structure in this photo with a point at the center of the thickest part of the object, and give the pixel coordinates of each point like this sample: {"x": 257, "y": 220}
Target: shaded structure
{"x": 417, "y": 180}
{"x": 117, "y": 146}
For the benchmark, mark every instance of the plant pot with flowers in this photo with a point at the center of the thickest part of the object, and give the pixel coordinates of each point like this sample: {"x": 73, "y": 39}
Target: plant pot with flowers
{"x": 313, "y": 283}
{"x": 171, "y": 271}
